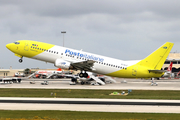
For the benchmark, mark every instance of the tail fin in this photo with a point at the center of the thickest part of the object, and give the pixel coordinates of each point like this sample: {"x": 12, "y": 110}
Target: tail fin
{"x": 170, "y": 67}
{"x": 178, "y": 74}
{"x": 59, "y": 69}
{"x": 158, "y": 57}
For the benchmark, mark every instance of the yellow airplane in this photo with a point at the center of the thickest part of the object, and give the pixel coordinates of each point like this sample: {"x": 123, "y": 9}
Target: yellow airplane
{"x": 67, "y": 58}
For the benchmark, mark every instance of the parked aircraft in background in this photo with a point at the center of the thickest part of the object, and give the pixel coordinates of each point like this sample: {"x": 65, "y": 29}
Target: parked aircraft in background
{"x": 168, "y": 73}
{"x": 50, "y": 73}
{"x": 67, "y": 58}
{"x": 47, "y": 73}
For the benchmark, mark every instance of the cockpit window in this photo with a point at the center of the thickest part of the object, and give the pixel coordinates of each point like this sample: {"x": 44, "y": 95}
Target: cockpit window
{"x": 16, "y": 43}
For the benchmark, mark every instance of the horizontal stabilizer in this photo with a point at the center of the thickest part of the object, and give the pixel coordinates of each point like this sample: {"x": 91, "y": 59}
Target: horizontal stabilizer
{"x": 157, "y": 71}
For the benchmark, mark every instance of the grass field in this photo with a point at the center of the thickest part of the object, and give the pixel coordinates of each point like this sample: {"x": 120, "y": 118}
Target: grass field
{"x": 74, "y": 115}
{"x": 68, "y": 115}
{"x": 64, "y": 93}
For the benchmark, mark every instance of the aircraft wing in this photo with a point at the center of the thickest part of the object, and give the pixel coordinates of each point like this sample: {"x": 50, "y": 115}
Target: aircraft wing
{"x": 157, "y": 71}
{"x": 84, "y": 65}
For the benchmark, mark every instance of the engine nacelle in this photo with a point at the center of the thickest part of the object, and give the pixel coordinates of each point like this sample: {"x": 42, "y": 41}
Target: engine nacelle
{"x": 62, "y": 64}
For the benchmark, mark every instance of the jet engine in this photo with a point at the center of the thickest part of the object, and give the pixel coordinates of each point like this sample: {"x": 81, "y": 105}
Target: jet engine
{"x": 62, "y": 64}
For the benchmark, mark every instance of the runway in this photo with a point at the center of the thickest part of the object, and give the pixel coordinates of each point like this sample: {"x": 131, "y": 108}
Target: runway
{"x": 91, "y": 101}
{"x": 134, "y": 84}
{"x": 100, "y": 105}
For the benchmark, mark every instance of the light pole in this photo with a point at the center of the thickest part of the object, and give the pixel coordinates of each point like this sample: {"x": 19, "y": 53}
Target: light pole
{"x": 63, "y": 32}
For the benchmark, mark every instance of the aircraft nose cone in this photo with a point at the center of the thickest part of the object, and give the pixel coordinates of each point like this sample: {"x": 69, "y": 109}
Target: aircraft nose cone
{"x": 8, "y": 46}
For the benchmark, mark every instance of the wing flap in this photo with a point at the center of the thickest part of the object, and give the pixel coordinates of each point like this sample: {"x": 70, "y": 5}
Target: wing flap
{"x": 84, "y": 65}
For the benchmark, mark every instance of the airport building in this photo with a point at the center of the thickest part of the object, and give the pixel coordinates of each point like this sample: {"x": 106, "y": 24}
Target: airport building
{"x": 173, "y": 57}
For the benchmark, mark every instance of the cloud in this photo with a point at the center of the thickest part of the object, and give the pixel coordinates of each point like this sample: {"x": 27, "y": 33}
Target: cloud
{"x": 117, "y": 28}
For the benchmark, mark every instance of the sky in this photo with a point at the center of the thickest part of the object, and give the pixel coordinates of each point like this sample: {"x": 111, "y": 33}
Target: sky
{"x": 122, "y": 29}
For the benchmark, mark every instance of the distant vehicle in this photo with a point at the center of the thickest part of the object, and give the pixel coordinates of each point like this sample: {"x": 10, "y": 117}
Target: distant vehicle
{"x": 32, "y": 82}
{"x": 11, "y": 80}
{"x": 14, "y": 79}
{"x": 45, "y": 83}
{"x": 19, "y": 75}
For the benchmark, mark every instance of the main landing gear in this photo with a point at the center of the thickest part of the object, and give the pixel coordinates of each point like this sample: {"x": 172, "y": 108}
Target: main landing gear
{"x": 21, "y": 60}
{"x": 85, "y": 75}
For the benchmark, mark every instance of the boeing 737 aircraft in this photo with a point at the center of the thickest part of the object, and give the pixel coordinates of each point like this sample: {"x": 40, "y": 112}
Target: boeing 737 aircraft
{"x": 67, "y": 58}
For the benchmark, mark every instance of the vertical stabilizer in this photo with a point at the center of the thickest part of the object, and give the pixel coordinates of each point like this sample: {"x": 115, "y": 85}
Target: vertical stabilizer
{"x": 158, "y": 57}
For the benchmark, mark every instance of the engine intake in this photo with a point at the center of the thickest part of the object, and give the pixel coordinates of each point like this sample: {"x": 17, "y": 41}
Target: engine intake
{"x": 62, "y": 64}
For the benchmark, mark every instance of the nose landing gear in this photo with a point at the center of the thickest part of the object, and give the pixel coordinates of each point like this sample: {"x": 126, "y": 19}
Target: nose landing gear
{"x": 21, "y": 60}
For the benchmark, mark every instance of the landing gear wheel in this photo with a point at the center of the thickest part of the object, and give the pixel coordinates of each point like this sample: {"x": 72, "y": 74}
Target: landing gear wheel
{"x": 81, "y": 75}
{"x": 85, "y": 75}
{"x": 74, "y": 80}
{"x": 82, "y": 83}
{"x": 20, "y": 60}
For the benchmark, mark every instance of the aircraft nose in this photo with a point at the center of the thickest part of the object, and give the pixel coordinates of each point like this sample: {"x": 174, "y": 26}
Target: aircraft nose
{"x": 8, "y": 46}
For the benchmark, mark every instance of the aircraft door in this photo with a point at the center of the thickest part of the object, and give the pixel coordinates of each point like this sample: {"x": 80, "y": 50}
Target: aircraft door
{"x": 134, "y": 70}
{"x": 26, "y": 46}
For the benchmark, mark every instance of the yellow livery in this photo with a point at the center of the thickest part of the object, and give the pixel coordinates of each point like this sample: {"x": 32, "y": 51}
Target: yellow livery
{"x": 67, "y": 58}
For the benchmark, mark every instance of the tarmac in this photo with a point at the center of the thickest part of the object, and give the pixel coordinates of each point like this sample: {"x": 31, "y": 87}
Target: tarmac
{"x": 48, "y": 104}
{"x": 138, "y": 106}
{"x": 121, "y": 84}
